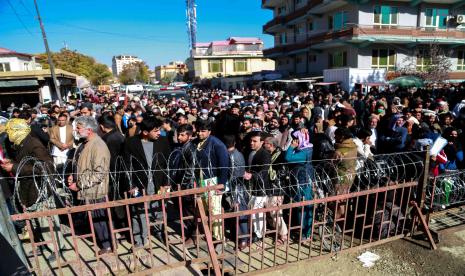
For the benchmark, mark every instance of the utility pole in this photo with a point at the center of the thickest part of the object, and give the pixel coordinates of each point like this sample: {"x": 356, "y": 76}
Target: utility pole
{"x": 56, "y": 84}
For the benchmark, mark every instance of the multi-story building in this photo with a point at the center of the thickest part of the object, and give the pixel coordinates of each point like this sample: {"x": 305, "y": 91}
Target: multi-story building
{"x": 232, "y": 57}
{"x": 313, "y": 35}
{"x": 175, "y": 71}
{"x": 118, "y": 62}
{"x": 14, "y": 61}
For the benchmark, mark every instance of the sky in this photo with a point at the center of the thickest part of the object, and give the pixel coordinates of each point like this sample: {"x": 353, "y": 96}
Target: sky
{"x": 154, "y": 30}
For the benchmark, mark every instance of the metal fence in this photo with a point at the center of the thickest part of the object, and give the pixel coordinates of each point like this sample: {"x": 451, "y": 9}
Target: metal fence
{"x": 281, "y": 229}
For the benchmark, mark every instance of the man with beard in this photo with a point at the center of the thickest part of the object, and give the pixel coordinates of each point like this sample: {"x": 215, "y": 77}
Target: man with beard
{"x": 273, "y": 129}
{"x": 184, "y": 164}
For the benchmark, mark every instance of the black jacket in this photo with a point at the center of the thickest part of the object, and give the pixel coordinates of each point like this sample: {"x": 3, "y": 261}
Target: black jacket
{"x": 115, "y": 141}
{"x": 260, "y": 183}
{"x": 136, "y": 163}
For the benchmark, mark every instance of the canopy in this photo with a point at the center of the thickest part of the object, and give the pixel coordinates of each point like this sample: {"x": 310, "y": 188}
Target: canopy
{"x": 407, "y": 81}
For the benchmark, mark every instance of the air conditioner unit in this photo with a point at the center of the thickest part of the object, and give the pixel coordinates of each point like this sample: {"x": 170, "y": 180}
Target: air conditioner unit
{"x": 461, "y": 19}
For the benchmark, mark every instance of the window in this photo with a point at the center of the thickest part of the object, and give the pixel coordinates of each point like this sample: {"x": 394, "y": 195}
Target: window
{"x": 311, "y": 58}
{"x": 461, "y": 61}
{"x": 282, "y": 10}
{"x": 383, "y": 58}
{"x": 240, "y": 65}
{"x": 215, "y": 66}
{"x": 283, "y": 38}
{"x": 26, "y": 66}
{"x": 337, "y": 59}
{"x": 310, "y": 26}
{"x": 423, "y": 60}
{"x": 386, "y": 15}
{"x": 437, "y": 18}
{"x": 5, "y": 67}
{"x": 337, "y": 21}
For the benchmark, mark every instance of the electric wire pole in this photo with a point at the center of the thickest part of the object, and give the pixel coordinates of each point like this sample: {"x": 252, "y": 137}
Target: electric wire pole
{"x": 56, "y": 84}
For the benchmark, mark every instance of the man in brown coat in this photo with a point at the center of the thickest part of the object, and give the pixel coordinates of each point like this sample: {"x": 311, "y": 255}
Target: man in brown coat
{"x": 92, "y": 159}
{"x": 61, "y": 139}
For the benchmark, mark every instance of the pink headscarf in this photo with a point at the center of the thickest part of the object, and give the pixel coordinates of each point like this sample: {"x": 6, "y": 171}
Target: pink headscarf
{"x": 304, "y": 139}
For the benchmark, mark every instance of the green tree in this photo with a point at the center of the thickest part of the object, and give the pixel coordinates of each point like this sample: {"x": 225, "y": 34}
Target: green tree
{"x": 136, "y": 72}
{"x": 79, "y": 64}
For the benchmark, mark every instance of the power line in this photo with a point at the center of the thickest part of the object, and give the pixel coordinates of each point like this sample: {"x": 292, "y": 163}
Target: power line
{"x": 19, "y": 18}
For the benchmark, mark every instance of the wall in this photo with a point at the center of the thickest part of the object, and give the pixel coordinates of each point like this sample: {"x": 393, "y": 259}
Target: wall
{"x": 17, "y": 63}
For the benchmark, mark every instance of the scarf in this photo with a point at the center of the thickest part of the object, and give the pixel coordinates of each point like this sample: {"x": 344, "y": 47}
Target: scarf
{"x": 17, "y": 130}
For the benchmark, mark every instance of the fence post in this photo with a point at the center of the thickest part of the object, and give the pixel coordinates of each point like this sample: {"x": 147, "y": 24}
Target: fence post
{"x": 424, "y": 184}
{"x": 208, "y": 237}
{"x": 7, "y": 228}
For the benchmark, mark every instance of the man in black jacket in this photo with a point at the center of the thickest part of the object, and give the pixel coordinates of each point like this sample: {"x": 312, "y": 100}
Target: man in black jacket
{"x": 146, "y": 156}
{"x": 114, "y": 140}
{"x": 259, "y": 161}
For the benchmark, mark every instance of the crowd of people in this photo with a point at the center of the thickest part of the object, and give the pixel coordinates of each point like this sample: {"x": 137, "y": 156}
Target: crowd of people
{"x": 260, "y": 144}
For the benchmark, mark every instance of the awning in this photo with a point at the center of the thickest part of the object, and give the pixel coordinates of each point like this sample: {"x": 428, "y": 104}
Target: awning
{"x": 18, "y": 83}
{"x": 325, "y": 83}
{"x": 373, "y": 83}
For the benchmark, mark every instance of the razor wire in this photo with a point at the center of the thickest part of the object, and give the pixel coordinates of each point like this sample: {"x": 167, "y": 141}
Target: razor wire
{"x": 445, "y": 190}
{"x": 321, "y": 176}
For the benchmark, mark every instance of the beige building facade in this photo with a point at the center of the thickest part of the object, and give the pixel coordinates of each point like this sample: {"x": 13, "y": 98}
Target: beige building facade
{"x": 231, "y": 57}
{"x": 174, "y": 71}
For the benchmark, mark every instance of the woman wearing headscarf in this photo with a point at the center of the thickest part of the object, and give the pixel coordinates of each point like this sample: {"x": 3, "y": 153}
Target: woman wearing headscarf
{"x": 453, "y": 151}
{"x": 299, "y": 154}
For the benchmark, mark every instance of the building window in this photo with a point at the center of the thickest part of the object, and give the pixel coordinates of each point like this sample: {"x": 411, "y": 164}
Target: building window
{"x": 437, "y": 18}
{"x": 386, "y": 15}
{"x": 240, "y": 65}
{"x": 338, "y": 59}
{"x": 461, "y": 61}
{"x": 300, "y": 31}
{"x": 311, "y": 58}
{"x": 282, "y": 10}
{"x": 5, "y": 67}
{"x": 383, "y": 58}
{"x": 337, "y": 21}
{"x": 215, "y": 66}
{"x": 423, "y": 60}
{"x": 310, "y": 26}
{"x": 283, "y": 38}
{"x": 27, "y": 66}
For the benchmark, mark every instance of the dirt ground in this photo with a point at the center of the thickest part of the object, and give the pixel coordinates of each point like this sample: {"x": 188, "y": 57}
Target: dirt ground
{"x": 401, "y": 257}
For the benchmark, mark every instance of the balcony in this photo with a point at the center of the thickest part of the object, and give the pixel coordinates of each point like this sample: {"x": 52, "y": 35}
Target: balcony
{"x": 270, "y": 4}
{"x": 231, "y": 50}
{"x": 364, "y": 35}
{"x": 290, "y": 17}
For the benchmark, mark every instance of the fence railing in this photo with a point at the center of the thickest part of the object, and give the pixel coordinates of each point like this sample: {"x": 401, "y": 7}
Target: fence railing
{"x": 263, "y": 230}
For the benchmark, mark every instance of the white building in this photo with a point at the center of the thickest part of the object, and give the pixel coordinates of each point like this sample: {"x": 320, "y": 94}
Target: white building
{"x": 14, "y": 61}
{"x": 118, "y": 62}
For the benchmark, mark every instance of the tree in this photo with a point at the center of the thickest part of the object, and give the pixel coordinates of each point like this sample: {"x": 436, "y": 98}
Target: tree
{"x": 79, "y": 64}
{"x": 431, "y": 63}
{"x": 100, "y": 74}
{"x": 134, "y": 73}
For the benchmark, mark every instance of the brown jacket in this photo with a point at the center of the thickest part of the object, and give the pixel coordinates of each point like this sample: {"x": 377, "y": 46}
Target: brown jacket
{"x": 31, "y": 147}
{"x": 93, "y": 166}
{"x": 55, "y": 136}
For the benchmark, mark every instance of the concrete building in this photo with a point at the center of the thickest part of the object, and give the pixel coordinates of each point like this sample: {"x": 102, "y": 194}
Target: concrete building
{"x": 175, "y": 70}
{"x": 33, "y": 86}
{"x": 231, "y": 57}
{"x": 313, "y": 35}
{"x": 118, "y": 62}
{"x": 14, "y": 61}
